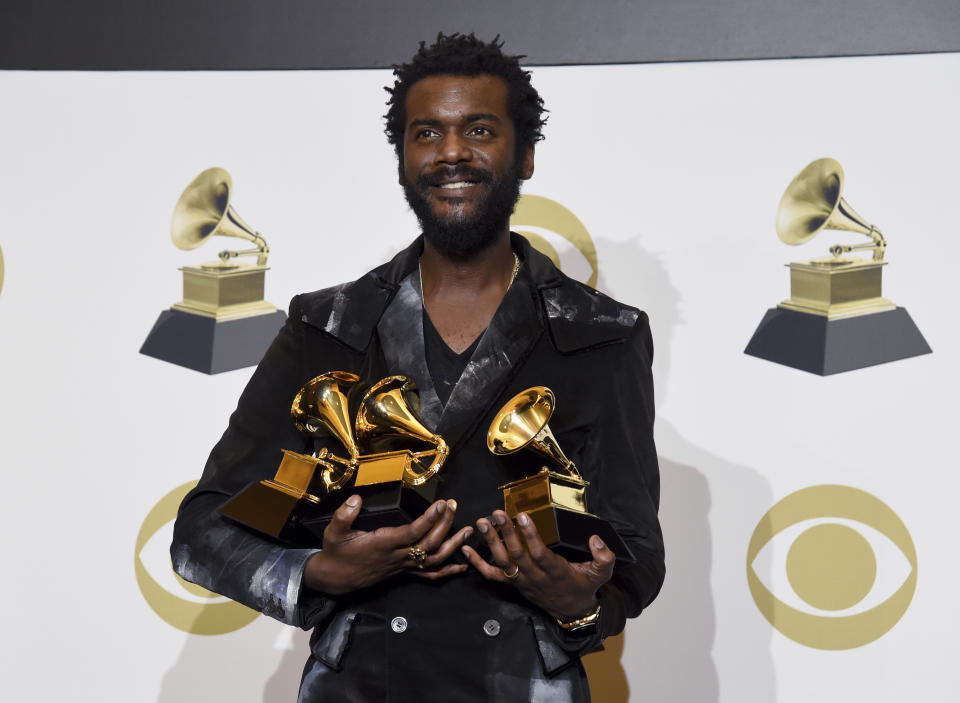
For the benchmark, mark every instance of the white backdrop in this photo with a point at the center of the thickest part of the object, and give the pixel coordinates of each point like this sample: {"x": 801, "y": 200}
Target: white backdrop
{"x": 676, "y": 171}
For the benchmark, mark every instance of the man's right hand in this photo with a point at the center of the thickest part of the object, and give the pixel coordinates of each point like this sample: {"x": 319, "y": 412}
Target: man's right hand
{"x": 353, "y": 559}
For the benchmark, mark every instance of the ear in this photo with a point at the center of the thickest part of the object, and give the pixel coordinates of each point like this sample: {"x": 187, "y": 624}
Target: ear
{"x": 400, "y": 172}
{"x": 526, "y": 164}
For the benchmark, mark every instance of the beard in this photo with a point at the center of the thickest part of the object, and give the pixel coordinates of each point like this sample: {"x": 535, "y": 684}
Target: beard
{"x": 461, "y": 236}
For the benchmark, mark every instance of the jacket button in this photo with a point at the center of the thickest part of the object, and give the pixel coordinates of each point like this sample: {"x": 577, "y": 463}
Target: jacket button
{"x": 398, "y": 625}
{"x": 492, "y": 628}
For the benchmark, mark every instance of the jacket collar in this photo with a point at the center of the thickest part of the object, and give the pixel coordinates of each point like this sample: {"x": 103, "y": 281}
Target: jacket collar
{"x": 577, "y": 317}
{"x": 350, "y": 312}
{"x": 504, "y": 346}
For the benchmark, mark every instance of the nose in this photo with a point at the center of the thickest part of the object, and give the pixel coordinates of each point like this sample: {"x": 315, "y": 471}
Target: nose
{"x": 453, "y": 149}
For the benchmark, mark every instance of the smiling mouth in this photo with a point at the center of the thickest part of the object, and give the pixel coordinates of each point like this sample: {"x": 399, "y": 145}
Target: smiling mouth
{"x": 457, "y": 185}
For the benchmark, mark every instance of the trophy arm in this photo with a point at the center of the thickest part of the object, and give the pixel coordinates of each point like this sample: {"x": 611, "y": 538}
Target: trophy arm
{"x": 545, "y": 444}
{"x": 439, "y": 453}
{"x": 337, "y": 471}
{"x": 878, "y": 245}
{"x": 237, "y": 227}
{"x": 572, "y": 469}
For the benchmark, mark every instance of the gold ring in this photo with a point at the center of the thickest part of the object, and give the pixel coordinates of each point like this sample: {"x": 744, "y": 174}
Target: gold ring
{"x": 418, "y": 555}
{"x": 515, "y": 574}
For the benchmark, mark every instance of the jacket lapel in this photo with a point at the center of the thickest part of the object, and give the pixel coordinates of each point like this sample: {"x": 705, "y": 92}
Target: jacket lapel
{"x": 398, "y": 320}
{"x": 401, "y": 338}
{"x": 503, "y": 348}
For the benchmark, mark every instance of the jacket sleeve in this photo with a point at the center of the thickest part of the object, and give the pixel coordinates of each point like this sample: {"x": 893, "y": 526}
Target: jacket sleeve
{"x": 621, "y": 465}
{"x": 629, "y": 481}
{"x": 220, "y": 555}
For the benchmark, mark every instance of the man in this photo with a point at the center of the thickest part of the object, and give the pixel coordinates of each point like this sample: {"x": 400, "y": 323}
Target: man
{"x": 473, "y": 315}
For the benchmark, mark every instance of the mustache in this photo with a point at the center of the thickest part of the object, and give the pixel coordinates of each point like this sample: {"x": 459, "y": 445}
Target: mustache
{"x": 446, "y": 174}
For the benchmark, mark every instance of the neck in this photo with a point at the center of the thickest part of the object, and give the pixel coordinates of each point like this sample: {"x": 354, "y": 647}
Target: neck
{"x": 452, "y": 279}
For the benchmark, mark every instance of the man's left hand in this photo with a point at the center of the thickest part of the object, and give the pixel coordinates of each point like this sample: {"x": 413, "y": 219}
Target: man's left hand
{"x": 566, "y": 590}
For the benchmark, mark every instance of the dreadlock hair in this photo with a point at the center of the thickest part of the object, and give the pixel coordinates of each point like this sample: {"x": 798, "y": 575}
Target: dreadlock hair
{"x": 465, "y": 55}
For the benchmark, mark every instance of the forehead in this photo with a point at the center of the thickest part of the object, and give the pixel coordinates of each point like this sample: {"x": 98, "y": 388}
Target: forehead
{"x": 452, "y": 98}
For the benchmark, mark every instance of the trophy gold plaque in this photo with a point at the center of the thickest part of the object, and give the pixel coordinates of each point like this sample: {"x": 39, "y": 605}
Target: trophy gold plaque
{"x": 554, "y": 500}
{"x": 223, "y": 322}
{"x": 297, "y": 504}
{"x": 836, "y": 318}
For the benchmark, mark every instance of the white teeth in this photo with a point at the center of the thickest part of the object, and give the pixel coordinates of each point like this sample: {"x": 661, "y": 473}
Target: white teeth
{"x": 458, "y": 184}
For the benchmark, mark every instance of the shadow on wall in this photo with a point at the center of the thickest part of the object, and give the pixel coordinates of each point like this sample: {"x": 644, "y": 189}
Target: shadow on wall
{"x": 284, "y": 684}
{"x": 668, "y": 652}
{"x": 214, "y": 668}
{"x": 672, "y": 655}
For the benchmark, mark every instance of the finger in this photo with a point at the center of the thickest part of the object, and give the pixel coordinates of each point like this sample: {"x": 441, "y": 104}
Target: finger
{"x": 447, "y": 548}
{"x": 412, "y": 533}
{"x": 502, "y": 561}
{"x": 487, "y": 570}
{"x": 342, "y": 523}
{"x": 442, "y": 572}
{"x": 511, "y": 539}
{"x": 430, "y": 542}
{"x": 603, "y": 561}
{"x": 497, "y": 549}
{"x": 538, "y": 552}
{"x": 434, "y": 538}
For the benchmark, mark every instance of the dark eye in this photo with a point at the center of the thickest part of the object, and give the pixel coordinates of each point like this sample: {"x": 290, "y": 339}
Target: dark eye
{"x": 426, "y": 134}
{"x": 480, "y": 131}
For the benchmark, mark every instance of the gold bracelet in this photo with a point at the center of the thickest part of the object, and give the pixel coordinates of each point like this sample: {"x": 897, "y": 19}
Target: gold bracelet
{"x": 587, "y": 620}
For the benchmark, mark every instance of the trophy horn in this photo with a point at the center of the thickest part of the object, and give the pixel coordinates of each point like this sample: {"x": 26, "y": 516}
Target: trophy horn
{"x": 323, "y": 404}
{"x": 522, "y": 423}
{"x": 389, "y": 409}
{"x": 814, "y": 202}
{"x": 204, "y": 210}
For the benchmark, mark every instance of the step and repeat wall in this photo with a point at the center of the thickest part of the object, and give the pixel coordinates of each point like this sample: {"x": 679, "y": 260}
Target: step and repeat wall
{"x": 808, "y": 519}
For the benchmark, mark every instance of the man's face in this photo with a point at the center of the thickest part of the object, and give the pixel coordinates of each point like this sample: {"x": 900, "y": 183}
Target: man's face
{"x": 460, "y": 173}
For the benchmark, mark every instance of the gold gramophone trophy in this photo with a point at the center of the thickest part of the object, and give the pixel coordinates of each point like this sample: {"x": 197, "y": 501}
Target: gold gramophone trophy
{"x": 836, "y": 318}
{"x": 277, "y": 506}
{"x": 299, "y": 501}
{"x": 393, "y": 480}
{"x": 554, "y": 500}
{"x": 223, "y": 322}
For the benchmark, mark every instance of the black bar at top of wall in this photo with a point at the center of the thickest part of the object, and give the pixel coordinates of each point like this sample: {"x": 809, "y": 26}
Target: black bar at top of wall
{"x": 332, "y": 34}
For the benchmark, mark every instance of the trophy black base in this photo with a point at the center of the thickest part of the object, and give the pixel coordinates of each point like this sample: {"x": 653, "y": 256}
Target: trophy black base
{"x": 271, "y": 512}
{"x": 817, "y": 345}
{"x": 568, "y": 533}
{"x": 387, "y": 504}
{"x": 208, "y": 346}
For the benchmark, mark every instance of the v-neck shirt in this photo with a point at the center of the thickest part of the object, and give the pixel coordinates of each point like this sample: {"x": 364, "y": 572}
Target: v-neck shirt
{"x": 443, "y": 363}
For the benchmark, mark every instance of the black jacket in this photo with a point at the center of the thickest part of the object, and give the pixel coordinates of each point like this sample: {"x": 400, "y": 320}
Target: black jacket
{"x": 593, "y": 352}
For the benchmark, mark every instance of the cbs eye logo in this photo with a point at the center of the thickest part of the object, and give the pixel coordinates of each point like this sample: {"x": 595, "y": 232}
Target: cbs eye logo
{"x": 541, "y": 219}
{"x": 183, "y": 605}
{"x": 832, "y": 567}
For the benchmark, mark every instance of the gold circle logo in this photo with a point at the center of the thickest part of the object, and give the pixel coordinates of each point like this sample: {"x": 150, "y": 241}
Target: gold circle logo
{"x": 538, "y": 211}
{"x": 832, "y": 567}
{"x": 188, "y": 616}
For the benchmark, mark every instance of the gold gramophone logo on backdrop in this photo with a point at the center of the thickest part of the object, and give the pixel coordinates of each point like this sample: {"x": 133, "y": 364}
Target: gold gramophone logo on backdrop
{"x": 836, "y": 318}
{"x": 536, "y": 211}
{"x": 832, "y": 567}
{"x": 223, "y": 322}
{"x": 209, "y": 614}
